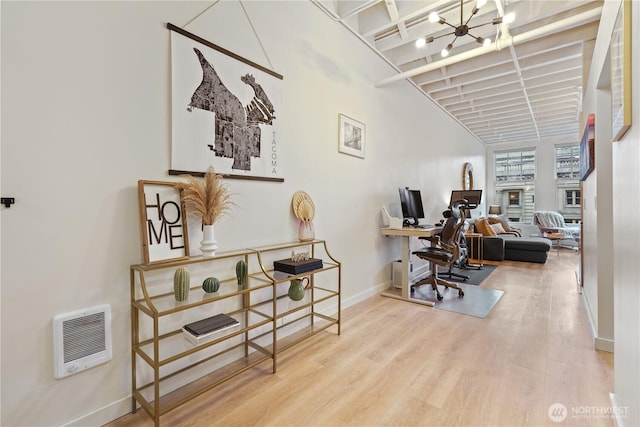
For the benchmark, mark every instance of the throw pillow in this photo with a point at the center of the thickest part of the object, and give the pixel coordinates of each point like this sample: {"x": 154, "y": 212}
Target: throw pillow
{"x": 505, "y": 224}
{"x": 499, "y": 220}
{"x": 482, "y": 227}
{"x": 497, "y": 228}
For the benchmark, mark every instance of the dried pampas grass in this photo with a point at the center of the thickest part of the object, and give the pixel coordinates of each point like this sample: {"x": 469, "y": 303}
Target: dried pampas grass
{"x": 208, "y": 199}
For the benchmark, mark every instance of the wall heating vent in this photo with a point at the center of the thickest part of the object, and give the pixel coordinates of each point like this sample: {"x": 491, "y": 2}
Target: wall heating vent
{"x": 81, "y": 340}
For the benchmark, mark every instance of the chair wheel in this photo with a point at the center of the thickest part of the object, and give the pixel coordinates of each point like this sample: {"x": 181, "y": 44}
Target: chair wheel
{"x": 440, "y": 297}
{"x": 460, "y": 293}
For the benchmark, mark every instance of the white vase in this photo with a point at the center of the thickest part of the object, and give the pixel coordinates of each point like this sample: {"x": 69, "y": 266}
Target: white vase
{"x": 208, "y": 245}
{"x": 306, "y": 231}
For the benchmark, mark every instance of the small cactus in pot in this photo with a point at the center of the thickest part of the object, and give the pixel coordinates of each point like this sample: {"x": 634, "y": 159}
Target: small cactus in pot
{"x": 211, "y": 285}
{"x": 181, "y": 284}
{"x": 241, "y": 273}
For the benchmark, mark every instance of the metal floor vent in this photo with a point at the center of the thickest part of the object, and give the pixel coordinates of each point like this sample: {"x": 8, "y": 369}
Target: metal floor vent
{"x": 81, "y": 340}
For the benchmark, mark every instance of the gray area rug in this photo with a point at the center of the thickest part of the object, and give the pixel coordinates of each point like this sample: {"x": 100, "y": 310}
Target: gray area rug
{"x": 476, "y": 301}
{"x": 475, "y": 276}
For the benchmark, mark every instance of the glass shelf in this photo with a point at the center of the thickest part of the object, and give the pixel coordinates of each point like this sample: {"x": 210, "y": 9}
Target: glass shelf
{"x": 286, "y": 306}
{"x": 165, "y": 303}
{"x": 168, "y": 369}
{"x": 174, "y": 345}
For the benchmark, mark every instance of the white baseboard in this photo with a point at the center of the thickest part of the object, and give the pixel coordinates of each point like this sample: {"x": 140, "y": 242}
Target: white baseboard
{"x": 604, "y": 344}
{"x": 617, "y": 414}
{"x": 103, "y": 415}
{"x": 365, "y": 294}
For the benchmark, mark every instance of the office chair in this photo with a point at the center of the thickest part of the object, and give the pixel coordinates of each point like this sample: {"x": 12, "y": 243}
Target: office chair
{"x": 444, "y": 250}
{"x": 463, "y": 255}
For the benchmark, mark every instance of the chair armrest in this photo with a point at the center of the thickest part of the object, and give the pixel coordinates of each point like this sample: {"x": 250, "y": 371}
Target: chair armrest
{"x": 549, "y": 230}
{"x": 433, "y": 239}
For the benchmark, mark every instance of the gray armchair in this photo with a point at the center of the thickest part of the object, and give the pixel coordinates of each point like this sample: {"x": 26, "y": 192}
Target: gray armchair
{"x": 553, "y": 222}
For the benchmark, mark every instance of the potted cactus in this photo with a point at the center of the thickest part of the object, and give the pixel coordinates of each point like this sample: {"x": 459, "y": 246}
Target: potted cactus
{"x": 181, "y": 284}
{"x": 241, "y": 273}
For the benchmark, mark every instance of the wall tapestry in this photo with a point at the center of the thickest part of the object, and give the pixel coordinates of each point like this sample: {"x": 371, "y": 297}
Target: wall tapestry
{"x": 226, "y": 111}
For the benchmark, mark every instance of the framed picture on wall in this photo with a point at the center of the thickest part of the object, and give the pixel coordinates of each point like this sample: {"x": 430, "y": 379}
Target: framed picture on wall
{"x": 620, "y": 50}
{"x": 352, "y": 136}
{"x": 587, "y": 148}
{"x": 163, "y": 224}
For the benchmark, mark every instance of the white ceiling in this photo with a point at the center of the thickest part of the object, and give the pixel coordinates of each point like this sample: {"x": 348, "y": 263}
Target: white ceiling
{"x": 526, "y": 86}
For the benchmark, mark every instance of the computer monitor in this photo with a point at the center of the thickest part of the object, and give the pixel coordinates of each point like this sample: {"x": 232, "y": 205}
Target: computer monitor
{"x": 473, "y": 197}
{"x": 411, "y": 203}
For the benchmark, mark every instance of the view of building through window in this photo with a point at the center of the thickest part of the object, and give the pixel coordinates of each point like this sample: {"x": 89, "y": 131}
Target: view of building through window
{"x": 516, "y": 166}
{"x": 568, "y": 194}
{"x": 515, "y": 173}
{"x": 568, "y": 161}
{"x": 515, "y": 184}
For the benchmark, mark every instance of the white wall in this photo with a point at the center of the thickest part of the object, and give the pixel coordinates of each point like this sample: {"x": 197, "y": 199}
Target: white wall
{"x": 626, "y": 235}
{"x": 616, "y": 182}
{"x": 86, "y": 114}
{"x": 598, "y": 224}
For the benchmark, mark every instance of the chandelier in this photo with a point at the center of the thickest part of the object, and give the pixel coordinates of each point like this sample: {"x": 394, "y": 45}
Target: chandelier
{"x": 464, "y": 28}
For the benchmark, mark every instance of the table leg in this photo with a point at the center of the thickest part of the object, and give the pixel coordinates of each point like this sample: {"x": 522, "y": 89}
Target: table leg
{"x": 405, "y": 276}
{"x": 406, "y": 267}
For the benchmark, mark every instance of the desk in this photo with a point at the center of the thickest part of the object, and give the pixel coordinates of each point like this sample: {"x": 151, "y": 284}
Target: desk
{"x": 407, "y": 233}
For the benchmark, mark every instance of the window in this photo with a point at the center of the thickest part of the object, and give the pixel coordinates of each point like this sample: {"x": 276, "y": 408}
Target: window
{"x": 514, "y": 198}
{"x": 568, "y": 162}
{"x": 568, "y": 199}
{"x": 515, "y": 185}
{"x": 515, "y": 166}
{"x": 572, "y": 197}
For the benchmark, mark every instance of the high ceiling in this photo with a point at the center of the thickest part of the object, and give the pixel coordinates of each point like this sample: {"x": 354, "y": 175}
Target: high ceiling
{"x": 525, "y": 86}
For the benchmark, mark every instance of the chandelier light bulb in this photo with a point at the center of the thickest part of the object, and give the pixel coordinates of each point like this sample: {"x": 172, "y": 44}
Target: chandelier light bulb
{"x": 486, "y": 42}
{"x": 480, "y": 3}
{"x": 445, "y": 52}
{"x": 420, "y": 42}
{"x": 433, "y": 17}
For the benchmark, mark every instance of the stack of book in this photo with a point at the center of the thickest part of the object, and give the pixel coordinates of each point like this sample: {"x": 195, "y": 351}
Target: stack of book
{"x": 209, "y": 328}
{"x": 297, "y": 267}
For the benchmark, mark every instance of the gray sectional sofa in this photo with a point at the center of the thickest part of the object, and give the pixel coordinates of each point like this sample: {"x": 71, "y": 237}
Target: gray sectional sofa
{"x": 511, "y": 246}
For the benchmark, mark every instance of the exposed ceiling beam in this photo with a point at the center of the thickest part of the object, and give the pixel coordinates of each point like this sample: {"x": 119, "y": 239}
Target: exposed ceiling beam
{"x": 530, "y": 35}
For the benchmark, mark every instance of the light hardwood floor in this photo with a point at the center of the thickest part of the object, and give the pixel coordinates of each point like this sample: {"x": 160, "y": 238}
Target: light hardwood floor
{"x": 404, "y": 364}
